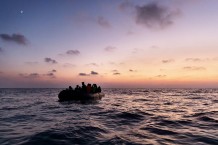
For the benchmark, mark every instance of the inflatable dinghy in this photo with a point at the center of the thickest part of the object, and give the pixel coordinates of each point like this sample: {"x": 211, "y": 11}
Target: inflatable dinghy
{"x": 68, "y": 95}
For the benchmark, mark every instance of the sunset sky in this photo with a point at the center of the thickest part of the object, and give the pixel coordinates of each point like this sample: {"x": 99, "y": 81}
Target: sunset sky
{"x": 114, "y": 43}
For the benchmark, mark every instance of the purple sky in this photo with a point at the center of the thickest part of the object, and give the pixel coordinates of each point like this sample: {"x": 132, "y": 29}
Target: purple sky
{"x": 115, "y": 43}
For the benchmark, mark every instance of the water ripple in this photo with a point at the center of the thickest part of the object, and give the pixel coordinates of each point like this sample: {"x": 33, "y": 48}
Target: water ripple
{"x": 123, "y": 116}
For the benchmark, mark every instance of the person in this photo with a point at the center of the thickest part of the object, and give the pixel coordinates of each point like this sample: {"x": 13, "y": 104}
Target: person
{"x": 70, "y": 88}
{"x": 94, "y": 88}
{"x": 78, "y": 88}
{"x": 89, "y": 88}
{"x": 84, "y": 89}
{"x": 99, "y": 89}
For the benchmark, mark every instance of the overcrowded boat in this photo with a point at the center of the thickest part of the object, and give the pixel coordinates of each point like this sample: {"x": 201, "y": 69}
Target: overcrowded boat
{"x": 86, "y": 92}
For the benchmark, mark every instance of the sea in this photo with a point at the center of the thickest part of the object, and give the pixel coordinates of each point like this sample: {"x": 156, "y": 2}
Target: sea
{"x": 122, "y": 116}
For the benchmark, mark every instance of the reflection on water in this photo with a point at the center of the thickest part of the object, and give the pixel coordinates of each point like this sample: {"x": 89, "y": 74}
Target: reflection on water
{"x": 123, "y": 116}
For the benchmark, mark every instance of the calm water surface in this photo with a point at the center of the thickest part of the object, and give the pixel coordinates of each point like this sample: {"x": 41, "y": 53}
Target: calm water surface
{"x": 123, "y": 116}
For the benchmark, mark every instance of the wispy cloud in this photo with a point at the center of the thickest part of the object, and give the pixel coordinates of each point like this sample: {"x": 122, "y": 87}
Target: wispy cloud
{"x": 116, "y": 73}
{"x": 131, "y": 70}
{"x": 33, "y": 75}
{"x": 70, "y": 53}
{"x": 110, "y": 48}
{"x": 103, "y": 22}
{"x": 73, "y": 52}
{"x": 94, "y": 73}
{"x": 54, "y": 70}
{"x": 29, "y": 76}
{"x": 51, "y": 75}
{"x": 194, "y": 59}
{"x": 83, "y": 74}
{"x": 153, "y": 15}
{"x": 91, "y": 73}
{"x": 17, "y": 38}
{"x": 117, "y": 63}
{"x": 201, "y": 59}
{"x": 161, "y": 76}
{"x": 194, "y": 68}
{"x": 168, "y": 61}
{"x": 49, "y": 60}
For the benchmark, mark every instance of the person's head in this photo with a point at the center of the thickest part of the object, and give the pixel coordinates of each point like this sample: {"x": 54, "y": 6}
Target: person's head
{"x": 83, "y": 83}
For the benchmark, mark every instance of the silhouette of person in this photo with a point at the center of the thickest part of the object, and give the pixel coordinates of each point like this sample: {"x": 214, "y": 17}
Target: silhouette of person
{"x": 89, "y": 88}
{"x": 84, "y": 89}
{"x": 78, "y": 88}
{"x": 70, "y": 88}
{"x": 94, "y": 88}
{"x": 99, "y": 89}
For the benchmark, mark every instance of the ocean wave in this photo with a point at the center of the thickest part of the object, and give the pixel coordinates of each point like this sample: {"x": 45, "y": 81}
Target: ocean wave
{"x": 123, "y": 116}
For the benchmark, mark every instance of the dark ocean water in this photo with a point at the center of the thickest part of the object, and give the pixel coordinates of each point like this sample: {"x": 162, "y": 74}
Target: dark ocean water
{"x": 123, "y": 116}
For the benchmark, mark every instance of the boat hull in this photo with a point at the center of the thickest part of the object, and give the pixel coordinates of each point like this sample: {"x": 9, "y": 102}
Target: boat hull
{"x": 68, "y": 95}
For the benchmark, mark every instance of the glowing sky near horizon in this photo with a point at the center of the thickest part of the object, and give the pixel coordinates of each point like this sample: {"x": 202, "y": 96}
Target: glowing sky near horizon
{"x": 114, "y": 43}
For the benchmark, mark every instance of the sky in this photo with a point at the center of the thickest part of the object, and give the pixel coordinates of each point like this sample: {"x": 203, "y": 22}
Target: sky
{"x": 114, "y": 43}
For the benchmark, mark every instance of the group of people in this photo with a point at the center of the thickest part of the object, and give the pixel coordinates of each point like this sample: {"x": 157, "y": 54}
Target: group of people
{"x": 87, "y": 88}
